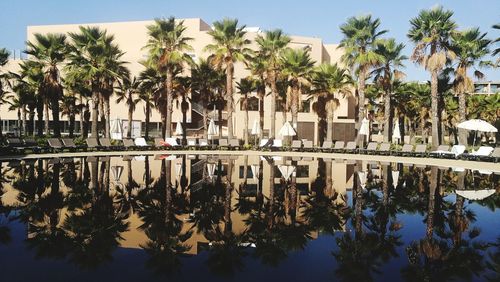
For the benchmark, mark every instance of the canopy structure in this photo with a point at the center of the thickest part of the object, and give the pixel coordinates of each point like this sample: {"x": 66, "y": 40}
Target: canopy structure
{"x": 396, "y": 134}
{"x": 116, "y": 171}
{"x": 116, "y": 130}
{"x": 287, "y": 130}
{"x": 178, "y": 128}
{"x": 286, "y": 171}
{"x": 255, "y": 172}
{"x": 362, "y": 179}
{"x": 211, "y": 170}
{"x": 212, "y": 129}
{"x": 475, "y": 194}
{"x": 395, "y": 178}
{"x": 255, "y": 128}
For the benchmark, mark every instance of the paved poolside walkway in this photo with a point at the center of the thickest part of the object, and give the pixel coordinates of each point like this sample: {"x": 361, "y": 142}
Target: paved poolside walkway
{"x": 473, "y": 165}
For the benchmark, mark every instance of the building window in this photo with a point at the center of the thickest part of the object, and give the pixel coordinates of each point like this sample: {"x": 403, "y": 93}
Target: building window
{"x": 306, "y": 106}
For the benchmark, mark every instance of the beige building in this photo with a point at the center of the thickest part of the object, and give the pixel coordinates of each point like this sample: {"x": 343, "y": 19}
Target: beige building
{"x": 132, "y": 37}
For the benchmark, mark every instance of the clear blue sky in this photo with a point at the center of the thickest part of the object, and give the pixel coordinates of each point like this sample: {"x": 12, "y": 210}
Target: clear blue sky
{"x": 309, "y": 17}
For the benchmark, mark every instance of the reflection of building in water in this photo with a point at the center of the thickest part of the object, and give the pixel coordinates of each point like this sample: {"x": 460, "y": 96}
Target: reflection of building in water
{"x": 246, "y": 184}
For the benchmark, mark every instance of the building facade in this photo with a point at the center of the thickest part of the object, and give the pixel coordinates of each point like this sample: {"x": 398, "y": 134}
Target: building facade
{"x": 132, "y": 37}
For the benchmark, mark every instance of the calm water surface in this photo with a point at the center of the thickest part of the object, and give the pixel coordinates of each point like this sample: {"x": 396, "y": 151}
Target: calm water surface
{"x": 246, "y": 218}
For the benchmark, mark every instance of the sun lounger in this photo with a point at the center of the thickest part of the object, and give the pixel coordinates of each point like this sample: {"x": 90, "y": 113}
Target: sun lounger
{"x": 420, "y": 150}
{"x": 455, "y": 152}
{"x": 191, "y": 143}
{"x": 203, "y": 143}
{"x": 93, "y": 144}
{"x": 265, "y": 143}
{"x": 223, "y": 143}
{"x": 70, "y": 144}
{"x": 482, "y": 153}
{"x": 495, "y": 155}
{"x": 339, "y": 146}
{"x": 441, "y": 150}
{"x": 234, "y": 144}
{"x": 277, "y": 145}
{"x": 30, "y": 143}
{"x": 371, "y": 148}
{"x": 141, "y": 143}
{"x": 172, "y": 142}
{"x": 385, "y": 149}
{"x": 16, "y": 145}
{"x": 350, "y": 147}
{"x": 405, "y": 151}
{"x": 296, "y": 145}
{"x": 55, "y": 145}
{"x": 308, "y": 146}
{"x": 129, "y": 144}
{"x": 327, "y": 146}
{"x": 106, "y": 143}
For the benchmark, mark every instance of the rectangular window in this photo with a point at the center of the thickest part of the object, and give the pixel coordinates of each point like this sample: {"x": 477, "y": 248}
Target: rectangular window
{"x": 249, "y": 172}
{"x": 302, "y": 171}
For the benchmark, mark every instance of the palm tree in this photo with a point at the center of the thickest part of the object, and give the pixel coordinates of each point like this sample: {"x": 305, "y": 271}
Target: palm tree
{"x": 245, "y": 87}
{"x": 96, "y": 59}
{"x": 182, "y": 87}
{"x": 23, "y": 101}
{"x": 146, "y": 98}
{"x": 167, "y": 45}
{"x": 228, "y": 47}
{"x": 431, "y": 31}
{"x": 4, "y": 59}
{"x": 297, "y": 66}
{"x": 331, "y": 83}
{"x": 386, "y": 74}
{"x": 76, "y": 86}
{"x": 360, "y": 37}
{"x": 207, "y": 85}
{"x": 127, "y": 90}
{"x": 152, "y": 87}
{"x": 271, "y": 46}
{"x": 257, "y": 66}
{"x": 497, "y": 50}
{"x": 469, "y": 47}
{"x": 50, "y": 51}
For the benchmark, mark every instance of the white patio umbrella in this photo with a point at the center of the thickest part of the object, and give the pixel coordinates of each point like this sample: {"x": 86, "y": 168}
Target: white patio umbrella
{"x": 287, "y": 130}
{"x": 286, "y": 171}
{"x": 116, "y": 171}
{"x": 211, "y": 170}
{"x": 396, "y": 133}
{"x": 395, "y": 178}
{"x": 255, "y": 128}
{"x": 212, "y": 129}
{"x": 255, "y": 172}
{"x": 362, "y": 179}
{"x": 477, "y": 125}
{"x": 116, "y": 129}
{"x": 365, "y": 128}
{"x": 475, "y": 194}
{"x": 178, "y": 128}
{"x": 178, "y": 169}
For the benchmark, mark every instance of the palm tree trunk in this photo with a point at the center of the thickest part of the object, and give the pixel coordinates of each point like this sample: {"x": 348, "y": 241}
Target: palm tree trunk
{"x": 434, "y": 109}
{"x": 462, "y": 106}
{"x": 387, "y": 116}
{"x": 271, "y": 194}
{"x": 39, "y": 111}
{"x": 46, "y": 110}
{"x": 108, "y": 117}
{"x": 72, "y": 118}
{"x": 205, "y": 121}
{"x": 184, "y": 108}
{"x": 329, "y": 123}
{"x": 261, "y": 92}
{"x": 102, "y": 114}
{"x": 55, "y": 115}
{"x": 229, "y": 97}
{"x": 81, "y": 115}
{"x": 328, "y": 178}
{"x": 219, "y": 112}
{"x": 361, "y": 103}
{"x": 227, "y": 200}
{"x": 148, "y": 113}
{"x": 31, "y": 127}
{"x": 295, "y": 104}
{"x": 23, "y": 120}
{"x": 432, "y": 201}
{"x": 95, "y": 111}
{"x": 274, "y": 95}
{"x": 170, "y": 79}
{"x": 358, "y": 209}
{"x": 245, "y": 131}
{"x": 129, "y": 118}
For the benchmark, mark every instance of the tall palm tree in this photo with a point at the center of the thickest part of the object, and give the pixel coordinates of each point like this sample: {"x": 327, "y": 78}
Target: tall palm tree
{"x": 146, "y": 98}
{"x": 469, "y": 47}
{"x": 96, "y": 59}
{"x": 431, "y": 31}
{"x": 50, "y": 51}
{"x": 228, "y": 47}
{"x": 497, "y": 50}
{"x": 245, "y": 86}
{"x": 257, "y": 66}
{"x": 207, "y": 84}
{"x": 297, "y": 66}
{"x": 332, "y": 83}
{"x": 271, "y": 46}
{"x": 153, "y": 91}
{"x": 386, "y": 74}
{"x": 167, "y": 47}
{"x": 127, "y": 92}
{"x": 4, "y": 59}
{"x": 360, "y": 37}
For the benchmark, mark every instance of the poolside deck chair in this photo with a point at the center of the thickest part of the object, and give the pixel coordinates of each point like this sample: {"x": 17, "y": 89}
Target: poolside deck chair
{"x": 16, "y": 145}
{"x": 495, "y": 155}
{"x": 93, "y": 144}
{"x": 405, "y": 151}
{"x": 308, "y": 146}
{"x": 350, "y": 147}
{"x": 339, "y": 146}
{"x": 234, "y": 144}
{"x": 223, "y": 143}
{"x": 441, "y": 150}
{"x": 191, "y": 143}
{"x": 482, "y": 153}
{"x": 55, "y": 145}
{"x": 70, "y": 144}
{"x": 30, "y": 143}
{"x": 106, "y": 143}
{"x": 371, "y": 148}
{"x": 172, "y": 143}
{"x": 384, "y": 149}
{"x": 158, "y": 143}
{"x": 420, "y": 150}
{"x": 141, "y": 143}
{"x": 455, "y": 152}
{"x": 296, "y": 145}
{"x": 327, "y": 146}
{"x": 203, "y": 143}
{"x": 129, "y": 144}
{"x": 265, "y": 143}
{"x": 277, "y": 145}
